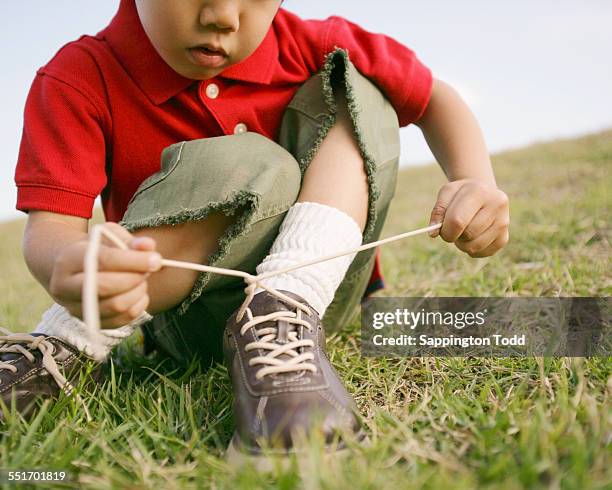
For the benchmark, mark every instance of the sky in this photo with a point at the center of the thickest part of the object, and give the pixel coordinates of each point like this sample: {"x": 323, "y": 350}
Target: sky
{"x": 530, "y": 70}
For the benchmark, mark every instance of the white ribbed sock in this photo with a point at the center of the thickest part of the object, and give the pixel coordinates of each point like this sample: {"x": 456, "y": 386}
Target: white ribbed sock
{"x": 310, "y": 231}
{"x": 58, "y": 322}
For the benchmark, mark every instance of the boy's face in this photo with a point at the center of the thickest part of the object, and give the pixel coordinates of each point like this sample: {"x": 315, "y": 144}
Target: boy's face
{"x": 201, "y": 38}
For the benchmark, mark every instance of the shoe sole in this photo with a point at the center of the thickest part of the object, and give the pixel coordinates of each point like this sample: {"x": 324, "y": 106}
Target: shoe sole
{"x": 271, "y": 460}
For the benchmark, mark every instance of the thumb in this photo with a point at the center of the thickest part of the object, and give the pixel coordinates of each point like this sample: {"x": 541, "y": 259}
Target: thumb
{"x": 445, "y": 196}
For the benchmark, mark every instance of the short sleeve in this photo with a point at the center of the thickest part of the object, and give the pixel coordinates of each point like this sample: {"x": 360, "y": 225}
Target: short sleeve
{"x": 395, "y": 68}
{"x": 62, "y": 155}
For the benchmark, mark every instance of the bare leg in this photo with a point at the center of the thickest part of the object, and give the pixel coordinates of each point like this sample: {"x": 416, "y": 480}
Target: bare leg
{"x": 189, "y": 242}
{"x": 336, "y": 176}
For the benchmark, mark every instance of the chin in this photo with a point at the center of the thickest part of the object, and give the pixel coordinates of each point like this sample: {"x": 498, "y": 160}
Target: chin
{"x": 195, "y": 74}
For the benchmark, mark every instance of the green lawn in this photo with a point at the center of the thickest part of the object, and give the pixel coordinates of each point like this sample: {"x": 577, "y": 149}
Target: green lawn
{"x": 433, "y": 422}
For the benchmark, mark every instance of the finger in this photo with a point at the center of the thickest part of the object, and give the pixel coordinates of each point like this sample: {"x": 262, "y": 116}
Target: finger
{"x": 117, "y": 260}
{"x": 110, "y": 258}
{"x": 116, "y": 283}
{"x": 473, "y": 247}
{"x": 109, "y": 284}
{"x": 445, "y": 196}
{"x": 499, "y": 243}
{"x": 119, "y": 231}
{"x": 462, "y": 209}
{"x": 118, "y": 273}
{"x": 143, "y": 243}
{"x": 126, "y": 318}
{"x": 480, "y": 224}
{"x": 121, "y": 304}
{"x": 75, "y": 308}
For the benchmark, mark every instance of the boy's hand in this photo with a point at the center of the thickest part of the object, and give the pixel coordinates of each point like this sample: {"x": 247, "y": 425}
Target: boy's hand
{"x": 122, "y": 277}
{"x": 474, "y": 216}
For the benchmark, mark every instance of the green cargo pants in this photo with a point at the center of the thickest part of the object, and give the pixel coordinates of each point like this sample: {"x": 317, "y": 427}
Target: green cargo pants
{"x": 257, "y": 180}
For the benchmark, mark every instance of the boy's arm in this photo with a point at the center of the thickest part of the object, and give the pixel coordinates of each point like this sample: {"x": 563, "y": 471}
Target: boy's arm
{"x": 46, "y": 234}
{"x": 54, "y": 248}
{"x": 474, "y": 213}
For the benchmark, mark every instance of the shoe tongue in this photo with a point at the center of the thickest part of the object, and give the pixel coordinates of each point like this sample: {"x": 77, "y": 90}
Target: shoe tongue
{"x": 283, "y": 328}
{"x": 264, "y": 303}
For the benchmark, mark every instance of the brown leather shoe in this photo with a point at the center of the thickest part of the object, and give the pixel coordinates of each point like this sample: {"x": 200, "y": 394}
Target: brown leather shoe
{"x": 283, "y": 381}
{"x": 36, "y": 366}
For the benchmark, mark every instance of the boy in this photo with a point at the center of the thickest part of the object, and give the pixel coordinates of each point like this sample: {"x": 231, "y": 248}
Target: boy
{"x": 279, "y": 144}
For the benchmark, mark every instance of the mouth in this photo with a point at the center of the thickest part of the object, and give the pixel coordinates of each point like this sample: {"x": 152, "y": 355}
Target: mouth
{"x": 211, "y": 49}
{"x": 208, "y": 55}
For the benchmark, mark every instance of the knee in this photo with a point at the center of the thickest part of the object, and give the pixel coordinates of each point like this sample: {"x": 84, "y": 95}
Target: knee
{"x": 277, "y": 183}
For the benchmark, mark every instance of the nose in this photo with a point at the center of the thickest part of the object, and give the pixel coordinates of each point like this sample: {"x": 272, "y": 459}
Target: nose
{"x": 222, "y": 15}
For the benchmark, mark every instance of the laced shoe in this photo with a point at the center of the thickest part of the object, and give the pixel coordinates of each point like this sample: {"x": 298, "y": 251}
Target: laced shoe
{"x": 36, "y": 366}
{"x": 284, "y": 385}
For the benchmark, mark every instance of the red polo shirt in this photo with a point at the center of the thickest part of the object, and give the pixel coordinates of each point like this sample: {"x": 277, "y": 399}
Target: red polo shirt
{"x": 99, "y": 114}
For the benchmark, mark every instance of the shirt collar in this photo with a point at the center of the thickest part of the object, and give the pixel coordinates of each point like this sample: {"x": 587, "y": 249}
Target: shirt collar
{"x": 130, "y": 44}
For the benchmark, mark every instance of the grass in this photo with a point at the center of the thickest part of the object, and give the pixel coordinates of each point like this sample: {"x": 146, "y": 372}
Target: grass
{"x": 434, "y": 423}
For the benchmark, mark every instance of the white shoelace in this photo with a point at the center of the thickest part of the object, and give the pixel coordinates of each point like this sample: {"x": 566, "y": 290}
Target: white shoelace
{"x": 292, "y": 360}
{"x": 11, "y": 343}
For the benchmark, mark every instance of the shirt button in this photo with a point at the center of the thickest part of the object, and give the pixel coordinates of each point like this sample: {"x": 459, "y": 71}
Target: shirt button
{"x": 240, "y": 128}
{"x": 212, "y": 91}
